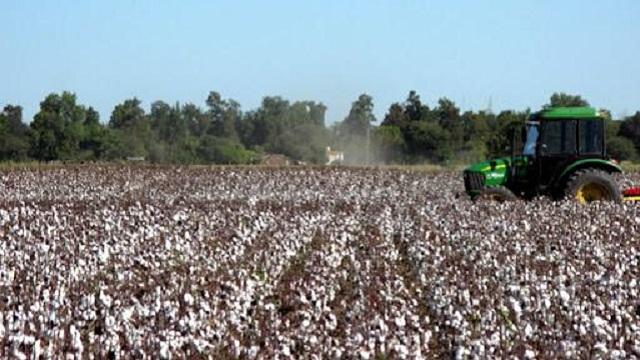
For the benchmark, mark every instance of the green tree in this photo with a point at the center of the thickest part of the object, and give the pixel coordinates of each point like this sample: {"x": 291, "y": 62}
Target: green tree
{"x": 502, "y": 129}
{"x": 355, "y": 131}
{"x": 14, "y": 144}
{"x": 566, "y": 100}
{"x": 415, "y": 110}
{"x": 428, "y": 141}
{"x": 13, "y": 116}
{"x": 225, "y": 114}
{"x": 621, "y": 148}
{"x": 127, "y": 115}
{"x": 259, "y": 128}
{"x": 98, "y": 142}
{"x": 132, "y": 128}
{"x": 170, "y": 129}
{"x": 317, "y": 111}
{"x": 159, "y": 119}
{"x": 450, "y": 120}
{"x": 57, "y": 128}
{"x": 630, "y": 129}
{"x": 389, "y": 142}
{"x": 219, "y": 150}
{"x": 395, "y": 116}
{"x": 360, "y": 117}
{"x": 477, "y": 133}
{"x": 197, "y": 122}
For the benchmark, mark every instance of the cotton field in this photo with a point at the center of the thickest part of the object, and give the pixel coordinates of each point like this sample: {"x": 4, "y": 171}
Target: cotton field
{"x": 106, "y": 262}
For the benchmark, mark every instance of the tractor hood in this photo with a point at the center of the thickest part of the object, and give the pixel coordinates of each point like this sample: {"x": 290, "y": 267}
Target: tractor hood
{"x": 494, "y": 171}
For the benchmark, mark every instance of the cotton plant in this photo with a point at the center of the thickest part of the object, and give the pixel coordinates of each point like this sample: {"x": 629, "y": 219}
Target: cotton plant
{"x": 312, "y": 263}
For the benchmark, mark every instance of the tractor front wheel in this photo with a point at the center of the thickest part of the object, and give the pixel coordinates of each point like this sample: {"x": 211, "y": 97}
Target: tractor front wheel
{"x": 496, "y": 193}
{"x": 592, "y": 185}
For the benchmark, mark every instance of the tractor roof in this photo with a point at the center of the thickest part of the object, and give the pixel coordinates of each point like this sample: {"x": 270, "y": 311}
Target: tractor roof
{"x": 583, "y": 112}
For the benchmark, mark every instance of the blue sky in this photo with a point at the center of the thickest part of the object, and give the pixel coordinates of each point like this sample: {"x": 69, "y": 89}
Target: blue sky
{"x": 516, "y": 53}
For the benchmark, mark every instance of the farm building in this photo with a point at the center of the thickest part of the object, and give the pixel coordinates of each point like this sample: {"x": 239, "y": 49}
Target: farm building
{"x": 334, "y": 156}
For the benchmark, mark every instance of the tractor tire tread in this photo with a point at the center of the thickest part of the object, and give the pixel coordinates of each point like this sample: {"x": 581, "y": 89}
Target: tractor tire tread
{"x": 580, "y": 177}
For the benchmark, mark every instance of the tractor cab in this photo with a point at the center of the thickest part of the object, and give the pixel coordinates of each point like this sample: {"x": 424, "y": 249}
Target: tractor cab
{"x": 563, "y": 154}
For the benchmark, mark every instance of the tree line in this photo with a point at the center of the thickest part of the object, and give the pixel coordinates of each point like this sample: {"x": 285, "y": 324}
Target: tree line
{"x": 411, "y": 132}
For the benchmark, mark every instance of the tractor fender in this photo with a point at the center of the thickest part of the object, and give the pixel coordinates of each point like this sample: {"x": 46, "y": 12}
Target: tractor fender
{"x": 601, "y": 164}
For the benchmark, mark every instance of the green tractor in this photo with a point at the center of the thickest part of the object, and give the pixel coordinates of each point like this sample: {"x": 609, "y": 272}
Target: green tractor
{"x": 563, "y": 155}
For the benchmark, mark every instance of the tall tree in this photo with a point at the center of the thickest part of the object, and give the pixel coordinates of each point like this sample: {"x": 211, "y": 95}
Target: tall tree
{"x": 127, "y": 115}
{"x": 360, "y": 117}
{"x": 450, "y": 120}
{"x": 13, "y": 141}
{"x": 225, "y": 114}
{"x": 195, "y": 119}
{"x": 132, "y": 127}
{"x": 57, "y": 128}
{"x": 159, "y": 118}
{"x": 630, "y": 129}
{"x": 13, "y": 115}
{"x": 394, "y": 116}
{"x": 414, "y": 109}
{"x": 389, "y": 142}
{"x": 566, "y": 100}
{"x": 267, "y": 122}
{"x": 502, "y": 130}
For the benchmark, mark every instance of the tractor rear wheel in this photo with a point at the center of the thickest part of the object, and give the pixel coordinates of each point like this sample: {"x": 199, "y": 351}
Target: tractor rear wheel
{"x": 592, "y": 185}
{"x": 496, "y": 193}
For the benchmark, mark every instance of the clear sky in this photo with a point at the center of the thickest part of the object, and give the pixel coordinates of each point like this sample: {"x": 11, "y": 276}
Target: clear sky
{"x": 515, "y": 53}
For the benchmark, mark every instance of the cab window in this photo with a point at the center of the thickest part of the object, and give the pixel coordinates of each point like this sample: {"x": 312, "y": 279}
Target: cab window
{"x": 590, "y": 137}
{"x": 559, "y": 137}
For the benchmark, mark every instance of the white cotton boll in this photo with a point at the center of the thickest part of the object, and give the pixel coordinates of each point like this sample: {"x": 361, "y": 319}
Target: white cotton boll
{"x": 600, "y": 348}
{"x": 284, "y": 349}
{"x": 76, "y": 341}
{"x": 37, "y": 350}
{"x": 253, "y": 351}
{"x": 598, "y": 322}
{"x": 515, "y": 307}
{"x": 178, "y": 217}
{"x": 332, "y": 322}
{"x": 165, "y": 353}
{"x": 400, "y": 321}
{"x": 618, "y": 354}
{"x": 188, "y": 299}
{"x": 127, "y": 313}
{"x": 109, "y": 323}
{"x": 364, "y": 354}
{"x": 313, "y": 340}
{"x": 357, "y": 339}
{"x": 426, "y": 336}
{"x": 105, "y": 299}
{"x": 403, "y": 350}
{"x": 17, "y": 354}
{"x": 528, "y": 330}
{"x": 461, "y": 353}
{"x": 303, "y": 299}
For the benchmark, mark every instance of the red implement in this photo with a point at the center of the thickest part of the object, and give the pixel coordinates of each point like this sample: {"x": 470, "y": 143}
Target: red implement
{"x": 631, "y": 194}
